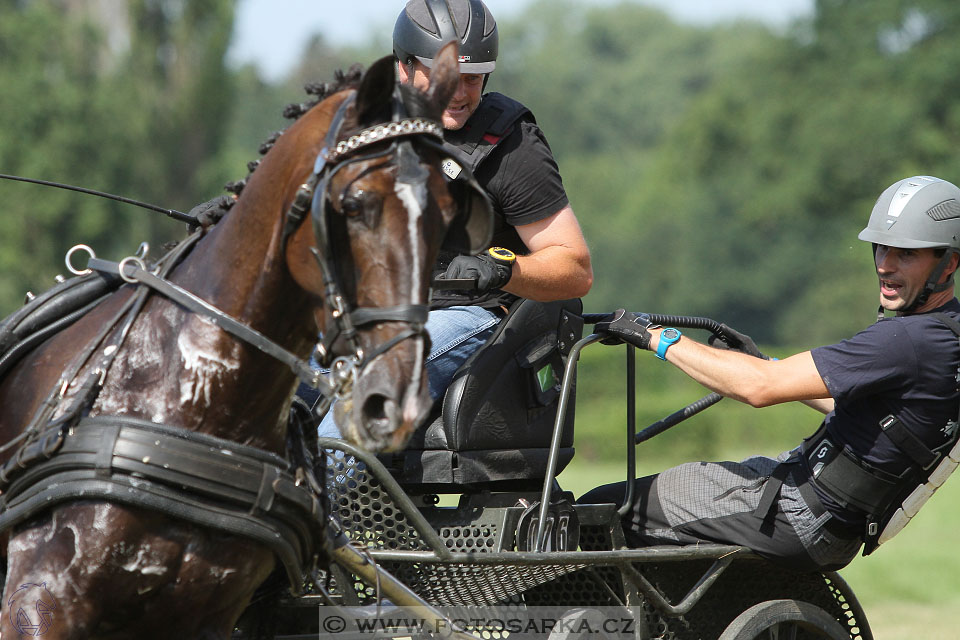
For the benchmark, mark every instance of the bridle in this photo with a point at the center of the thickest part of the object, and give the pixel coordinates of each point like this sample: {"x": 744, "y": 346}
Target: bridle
{"x": 313, "y": 196}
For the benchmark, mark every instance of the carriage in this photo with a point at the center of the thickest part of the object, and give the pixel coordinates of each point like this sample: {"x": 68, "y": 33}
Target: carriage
{"x": 513, "y": 545}
{"x": 139, "y": 501}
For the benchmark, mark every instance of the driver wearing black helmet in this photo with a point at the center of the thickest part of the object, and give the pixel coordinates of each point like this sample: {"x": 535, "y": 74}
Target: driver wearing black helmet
{"x": 538, "y": 250}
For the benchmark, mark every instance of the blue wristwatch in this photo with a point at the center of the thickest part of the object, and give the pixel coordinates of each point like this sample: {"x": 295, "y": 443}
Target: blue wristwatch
{"x": 667, "y": 337}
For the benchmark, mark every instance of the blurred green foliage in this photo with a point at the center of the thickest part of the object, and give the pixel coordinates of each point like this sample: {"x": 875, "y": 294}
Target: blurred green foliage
{"x": 717, "y": 170}
{"x": 133, "y": 104}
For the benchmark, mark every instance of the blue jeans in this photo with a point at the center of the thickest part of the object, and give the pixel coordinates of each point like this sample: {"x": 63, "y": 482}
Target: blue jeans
{"x": 455, "y": 333}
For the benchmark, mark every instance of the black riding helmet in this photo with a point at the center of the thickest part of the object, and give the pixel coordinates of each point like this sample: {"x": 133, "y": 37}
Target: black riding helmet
{"x": 425, "y": 25}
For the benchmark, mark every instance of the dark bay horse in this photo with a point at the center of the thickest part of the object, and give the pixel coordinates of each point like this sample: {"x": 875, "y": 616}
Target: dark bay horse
{"x": 354, "y": 263}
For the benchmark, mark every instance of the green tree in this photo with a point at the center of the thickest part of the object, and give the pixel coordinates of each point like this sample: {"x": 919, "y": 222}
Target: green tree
{"x": 750, "y": 207}
{"x": 141, "y": 120}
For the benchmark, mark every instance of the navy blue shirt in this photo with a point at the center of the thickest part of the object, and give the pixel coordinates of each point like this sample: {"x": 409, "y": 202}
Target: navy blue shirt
{"x": 905, "y": 366}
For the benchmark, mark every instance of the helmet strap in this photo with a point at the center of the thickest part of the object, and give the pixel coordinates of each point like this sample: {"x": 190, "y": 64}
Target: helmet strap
{"x": 932, "y": 285}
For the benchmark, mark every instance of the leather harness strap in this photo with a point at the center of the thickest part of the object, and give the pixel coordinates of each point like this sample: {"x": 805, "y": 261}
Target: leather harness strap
{"x": 194, "y": 303}
{"x": 206, "y": 480}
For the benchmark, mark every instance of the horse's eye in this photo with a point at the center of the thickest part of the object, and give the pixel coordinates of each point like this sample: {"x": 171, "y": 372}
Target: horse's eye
{"x": 352, "y": 205}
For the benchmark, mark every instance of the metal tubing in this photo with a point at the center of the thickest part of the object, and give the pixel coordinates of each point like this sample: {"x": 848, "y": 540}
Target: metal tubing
{"x": 631, "y": 430}
{"x": 693, "y": 596}
{"x": 568, "y": 374}
{"x": 398, "y": 593}
{"x": 614, "y": 557}
{"x": 394, "y": 490}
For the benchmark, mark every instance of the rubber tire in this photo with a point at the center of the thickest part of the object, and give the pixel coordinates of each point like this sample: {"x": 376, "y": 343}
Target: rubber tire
{"x": 764, "y": 616}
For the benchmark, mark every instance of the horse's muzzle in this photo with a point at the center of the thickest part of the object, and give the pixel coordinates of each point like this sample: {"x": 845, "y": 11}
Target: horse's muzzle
{"x": 389, "y": 400}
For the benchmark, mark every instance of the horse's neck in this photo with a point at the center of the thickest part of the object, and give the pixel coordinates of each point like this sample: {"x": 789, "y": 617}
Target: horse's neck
{"x": 207, "y": 379}
{"x": 245, "y": 250}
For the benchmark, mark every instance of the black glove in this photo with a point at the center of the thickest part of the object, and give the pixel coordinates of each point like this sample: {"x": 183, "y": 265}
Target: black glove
{"x": 733, "y": 339}
{"x": 492, "y": 268}
{"x": 627, "y": 326}
{"x": 209, "y": 213}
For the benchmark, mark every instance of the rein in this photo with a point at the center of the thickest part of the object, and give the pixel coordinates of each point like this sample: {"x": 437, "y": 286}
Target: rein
{"x": 173, "y": 213}
{"x": 134, "y": 271}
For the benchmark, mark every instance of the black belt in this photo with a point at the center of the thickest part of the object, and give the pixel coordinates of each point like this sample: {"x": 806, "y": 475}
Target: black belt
{"x": 771, "y": 493}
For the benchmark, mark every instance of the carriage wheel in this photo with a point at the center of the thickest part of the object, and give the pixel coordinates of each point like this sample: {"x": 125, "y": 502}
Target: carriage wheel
{"x": 784, "y": 620}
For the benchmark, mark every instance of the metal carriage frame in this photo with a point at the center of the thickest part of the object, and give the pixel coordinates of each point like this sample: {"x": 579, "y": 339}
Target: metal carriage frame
{"x": 467, "y": 555}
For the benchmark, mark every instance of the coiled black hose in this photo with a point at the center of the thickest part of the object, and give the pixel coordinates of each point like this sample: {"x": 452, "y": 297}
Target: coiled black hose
{"x": 687, "y": 322}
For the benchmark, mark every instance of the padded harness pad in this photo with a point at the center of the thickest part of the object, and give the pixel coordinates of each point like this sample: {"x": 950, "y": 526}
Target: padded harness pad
{"x": 49, "y": 313}
{"x": 498, "y": 413}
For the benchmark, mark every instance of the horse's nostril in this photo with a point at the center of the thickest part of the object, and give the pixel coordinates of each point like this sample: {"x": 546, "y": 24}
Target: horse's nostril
{"x": 379, "y": 414}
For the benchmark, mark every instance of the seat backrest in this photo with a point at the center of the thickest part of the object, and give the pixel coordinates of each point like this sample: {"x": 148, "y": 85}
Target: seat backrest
{"x": 505, "y": 395}
{"x": 498, "y": 414}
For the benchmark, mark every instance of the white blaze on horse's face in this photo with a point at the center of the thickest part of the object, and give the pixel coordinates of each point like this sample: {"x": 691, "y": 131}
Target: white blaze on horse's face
{"x": 414, "y": 199}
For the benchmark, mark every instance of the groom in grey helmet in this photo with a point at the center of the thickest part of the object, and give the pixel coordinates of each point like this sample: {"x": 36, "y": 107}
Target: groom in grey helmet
{"x": 889, "y": 438}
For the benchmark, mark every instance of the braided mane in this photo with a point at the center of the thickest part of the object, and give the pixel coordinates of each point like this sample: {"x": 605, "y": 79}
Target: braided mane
{"x": 319, "y": 91}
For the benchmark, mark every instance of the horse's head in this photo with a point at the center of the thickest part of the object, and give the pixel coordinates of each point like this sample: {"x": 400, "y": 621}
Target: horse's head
{"x": 381, "y": 208}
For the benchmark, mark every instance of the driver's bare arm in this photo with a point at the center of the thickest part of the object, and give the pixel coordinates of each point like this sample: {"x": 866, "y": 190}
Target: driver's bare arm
{"x": 757, "y": 382}
{"x": 558, "y": 265}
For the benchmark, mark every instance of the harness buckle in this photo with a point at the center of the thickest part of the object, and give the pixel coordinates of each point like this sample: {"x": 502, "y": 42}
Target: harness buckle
{"x": 886, "y": 423}
{"x": 342, "y": 371}
{"x": 339, "y": 306}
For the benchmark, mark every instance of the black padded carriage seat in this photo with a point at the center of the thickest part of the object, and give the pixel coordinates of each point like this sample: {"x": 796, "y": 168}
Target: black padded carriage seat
{"x": 493, "y": 428}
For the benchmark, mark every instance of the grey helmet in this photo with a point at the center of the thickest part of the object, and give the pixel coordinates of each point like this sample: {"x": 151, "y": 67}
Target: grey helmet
{"x": 425, "y": 25}
{"x": 917, "y": 213}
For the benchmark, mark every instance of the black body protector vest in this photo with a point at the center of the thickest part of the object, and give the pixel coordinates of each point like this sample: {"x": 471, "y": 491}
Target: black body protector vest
{"x": 889, "y": 501}
{"x": 487, "y": 127}
{"x": 490, "y": 124}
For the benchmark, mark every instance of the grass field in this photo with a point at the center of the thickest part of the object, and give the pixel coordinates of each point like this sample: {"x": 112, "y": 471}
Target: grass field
{"x": 909, "y": 588}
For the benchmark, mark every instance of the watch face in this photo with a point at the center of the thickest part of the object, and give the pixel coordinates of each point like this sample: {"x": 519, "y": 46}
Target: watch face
{"x": 670, "y": 334}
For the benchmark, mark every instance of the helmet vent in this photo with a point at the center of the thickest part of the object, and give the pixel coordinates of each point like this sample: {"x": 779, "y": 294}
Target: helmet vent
{"x": 489, "y": 24}
{"x": 946, "y": 210}
{"x": 422, "y": 16}
{"x": 461, "y": 19}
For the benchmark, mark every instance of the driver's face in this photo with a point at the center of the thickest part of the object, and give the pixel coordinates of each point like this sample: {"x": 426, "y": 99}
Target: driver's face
{"x": 902, "y": 274}
{"x": 465, "y": 100}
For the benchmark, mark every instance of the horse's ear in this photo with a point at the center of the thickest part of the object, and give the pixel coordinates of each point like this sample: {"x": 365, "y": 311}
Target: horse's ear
{"x": 444, "y": 76}
{"x": 375, "y": 92}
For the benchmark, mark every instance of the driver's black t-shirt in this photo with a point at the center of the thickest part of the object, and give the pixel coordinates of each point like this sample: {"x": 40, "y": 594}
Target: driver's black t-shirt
{"x": 902, "y": 366}
{"x": 523, "y": 182}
